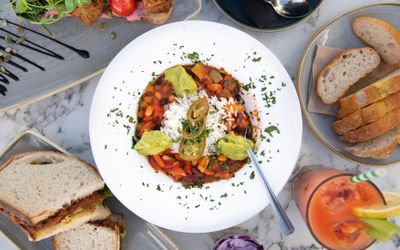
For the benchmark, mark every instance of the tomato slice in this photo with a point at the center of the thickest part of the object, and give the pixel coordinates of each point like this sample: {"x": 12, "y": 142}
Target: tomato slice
{"x": 122, "y": 8}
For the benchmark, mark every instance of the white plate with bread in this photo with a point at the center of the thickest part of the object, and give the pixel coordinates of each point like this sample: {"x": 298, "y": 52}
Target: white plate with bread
{"x": 364, "y": 122}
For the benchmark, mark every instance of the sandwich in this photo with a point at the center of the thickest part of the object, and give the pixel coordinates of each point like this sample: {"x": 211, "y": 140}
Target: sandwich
{"x": 89, "y": 11}
{"x": 47, "y": 192}
{"x": 102, "y": 234}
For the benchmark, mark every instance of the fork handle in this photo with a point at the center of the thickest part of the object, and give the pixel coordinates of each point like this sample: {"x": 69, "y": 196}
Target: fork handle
{"x": 284, "y": 222}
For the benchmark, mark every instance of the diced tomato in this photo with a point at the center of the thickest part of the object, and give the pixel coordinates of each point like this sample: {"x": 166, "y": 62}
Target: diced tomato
{"x": 159, "y": 161}
{"x": 172, "y": 164}
{"x": 168, "y": 151}
{"x": 147, "y": 126}
{"x": 177, "y": 173}
{"x": 147, "y": 118}
{"x": 158, "y": 108}
{"x": 154, "y": 164}
{"x": 188, "y": 168}
{"x": 208, "y": 172}
{"x": 167, "y": 158}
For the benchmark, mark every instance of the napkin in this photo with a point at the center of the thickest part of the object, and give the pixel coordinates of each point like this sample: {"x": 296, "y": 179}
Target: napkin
{"x": 259, "y": 11}
{"x": 323, "y": 56}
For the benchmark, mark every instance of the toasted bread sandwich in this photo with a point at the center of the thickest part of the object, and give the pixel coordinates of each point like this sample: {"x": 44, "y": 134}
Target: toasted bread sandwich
{"x": 47, "y": 192}
{"x": 98, "y": 235}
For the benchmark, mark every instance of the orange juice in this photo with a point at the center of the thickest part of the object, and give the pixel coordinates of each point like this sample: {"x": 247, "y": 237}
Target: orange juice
{"x": 326, "y": 199}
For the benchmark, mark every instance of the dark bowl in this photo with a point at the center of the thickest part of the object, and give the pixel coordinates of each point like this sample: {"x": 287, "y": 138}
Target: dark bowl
{"x": 234, "y": 11}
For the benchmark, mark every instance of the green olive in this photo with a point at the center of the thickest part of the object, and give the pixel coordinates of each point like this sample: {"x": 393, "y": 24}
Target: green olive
{"x": 198, "y": 110}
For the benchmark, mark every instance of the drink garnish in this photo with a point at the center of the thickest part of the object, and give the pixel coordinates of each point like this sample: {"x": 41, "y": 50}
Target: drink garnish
{"x": 381, "y": 229}
{"x": 368, "y": 175}
{"x": 391, "y": 209}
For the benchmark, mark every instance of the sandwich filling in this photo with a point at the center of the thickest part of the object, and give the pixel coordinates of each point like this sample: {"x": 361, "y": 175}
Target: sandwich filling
{"x": 88, "y": 203}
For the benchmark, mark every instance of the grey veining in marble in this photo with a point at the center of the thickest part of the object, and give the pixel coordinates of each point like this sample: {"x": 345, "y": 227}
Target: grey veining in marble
{"x": 64, "y": 119}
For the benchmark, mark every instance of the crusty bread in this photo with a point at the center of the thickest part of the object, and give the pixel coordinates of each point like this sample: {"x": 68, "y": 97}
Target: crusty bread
{"x": 157, "y": 6}
{"x": 89, "y": 13}
{"x": 72, "y": 221}
{"x": 345, "y": 70}
{"x": 367, "y": 115}
{"x": 379, "y": 148}
{"x": 36, "y": 185}
{"x": 375, "y": 129}
{"x": 381, "y": 36}
{"x": 88, "y": 237}
{"x": 159, "y": 17}
{"x": 370, "y": 94}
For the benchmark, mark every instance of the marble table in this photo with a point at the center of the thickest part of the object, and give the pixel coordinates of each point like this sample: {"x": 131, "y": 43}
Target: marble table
{"x": 64, "y": 119}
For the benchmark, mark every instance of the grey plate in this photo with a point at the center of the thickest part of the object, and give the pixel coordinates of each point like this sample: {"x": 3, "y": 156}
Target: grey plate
{"x": 59, "y": 75}
{"x": 338, "y": 33}
{"x": 140, "y": 234}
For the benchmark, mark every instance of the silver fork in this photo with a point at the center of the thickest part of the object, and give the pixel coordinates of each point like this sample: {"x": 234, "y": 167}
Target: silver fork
{"x": 284, "y": 222}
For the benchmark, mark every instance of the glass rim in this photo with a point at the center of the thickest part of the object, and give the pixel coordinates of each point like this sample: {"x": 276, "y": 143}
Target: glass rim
{"x": 312, "y": 195}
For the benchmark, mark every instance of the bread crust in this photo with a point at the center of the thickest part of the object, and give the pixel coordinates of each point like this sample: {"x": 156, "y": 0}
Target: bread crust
{"x": 327, "y": 68}
{"x": 89, "y": 13}
{"x": 375, "y": 129}
{"x": 11, "y": 210}
{"x": 117, "y": 229}
{"x": 391, "y": 29}
{"x": 379, "y": 153}
{"x": 367, "y": 114}
{"x": 157, "y": 6}
{"x": 370, "y": 94}
{"x": 159, "y": 18}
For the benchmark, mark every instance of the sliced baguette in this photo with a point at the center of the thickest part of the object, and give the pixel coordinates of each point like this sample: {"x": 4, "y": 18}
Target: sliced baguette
{"x": 379, "y": 148}
{"x": 36, "y": 185}
{"x": 345, "y": 70}
{"x": 380, "y": 35}
{"x": 370, "y": 94}
{"x": 367, "y": 115}
{"x": 375, "y": 129}
{"x": 88, "y": 236}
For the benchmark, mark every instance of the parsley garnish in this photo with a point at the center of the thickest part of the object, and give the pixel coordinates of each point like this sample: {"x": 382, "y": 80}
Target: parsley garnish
{"x": 269, "y": 130}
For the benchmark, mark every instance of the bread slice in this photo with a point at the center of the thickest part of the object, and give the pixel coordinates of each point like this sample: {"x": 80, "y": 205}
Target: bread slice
{"x": 159, "y": 17}
{"x": 367, "y": 115}
{"x": 345, "y": 70}
{"x": 375, "y": 129}
{"x": 89, "y": 236}
{"x": 88, "y": 13}
{"x": 379, "y": 148}
{"x": 380, "y": 35}
{"x": 157, "y": 6}
{"x": 370, "y": 94}
{"x": 36, "y": 185}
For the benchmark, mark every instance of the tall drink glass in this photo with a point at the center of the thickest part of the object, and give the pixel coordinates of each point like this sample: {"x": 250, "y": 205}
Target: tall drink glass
{"x": 326, "y": 198}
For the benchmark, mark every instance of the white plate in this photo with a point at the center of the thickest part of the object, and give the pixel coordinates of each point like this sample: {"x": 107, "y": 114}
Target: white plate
{"x": 128, "y": 174}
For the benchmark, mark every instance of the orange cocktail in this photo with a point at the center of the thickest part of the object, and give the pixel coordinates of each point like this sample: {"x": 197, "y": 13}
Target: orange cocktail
{"x": 326, "y": 199}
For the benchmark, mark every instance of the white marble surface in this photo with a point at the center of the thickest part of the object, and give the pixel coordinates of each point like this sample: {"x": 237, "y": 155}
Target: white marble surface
{"x": 64, "y": 119}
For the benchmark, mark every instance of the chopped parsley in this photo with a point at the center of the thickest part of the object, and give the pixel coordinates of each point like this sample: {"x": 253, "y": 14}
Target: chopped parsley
{"x": 269, "y": 130}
